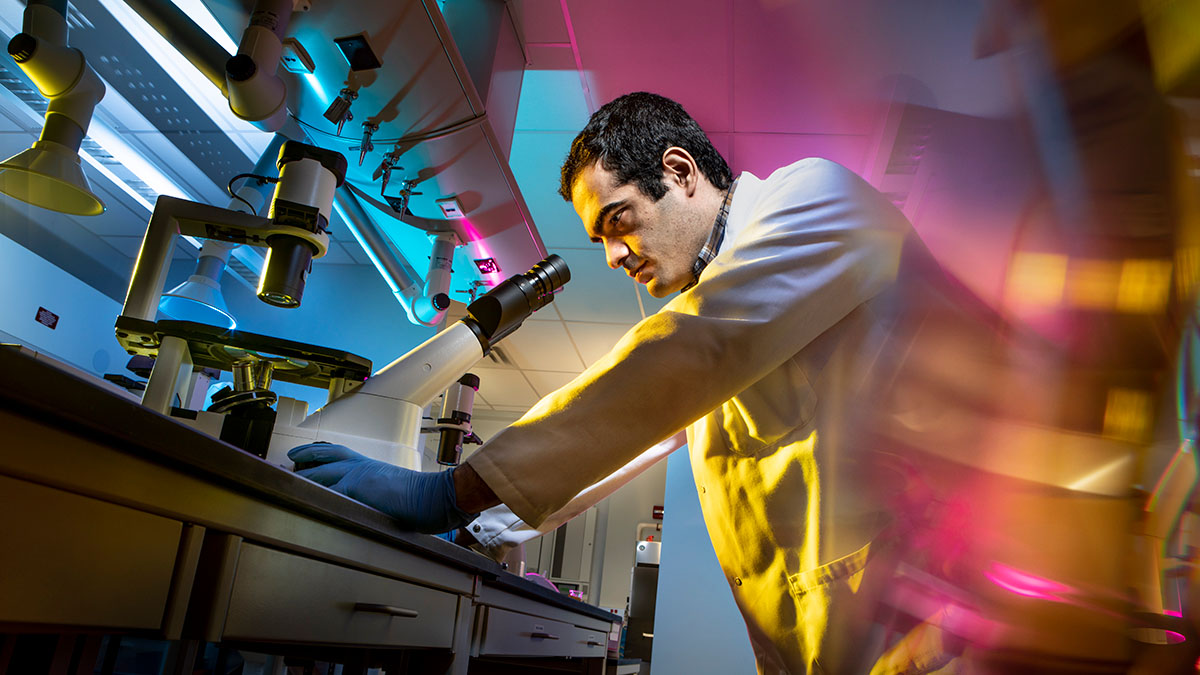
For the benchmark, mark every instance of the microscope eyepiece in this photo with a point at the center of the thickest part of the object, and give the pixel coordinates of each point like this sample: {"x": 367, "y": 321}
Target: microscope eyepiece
{"x": 501, "y": 310}
{"x": 546, "y": 277}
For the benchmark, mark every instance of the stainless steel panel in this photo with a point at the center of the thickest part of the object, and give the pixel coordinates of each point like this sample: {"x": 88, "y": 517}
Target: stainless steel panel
{"x": 73, "y": 560}
{"x": 278, "y": 596}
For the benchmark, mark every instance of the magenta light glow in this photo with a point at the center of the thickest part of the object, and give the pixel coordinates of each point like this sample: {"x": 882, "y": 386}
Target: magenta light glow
{"x": 481, "y": 252}
{"x": 1026, "y": 584}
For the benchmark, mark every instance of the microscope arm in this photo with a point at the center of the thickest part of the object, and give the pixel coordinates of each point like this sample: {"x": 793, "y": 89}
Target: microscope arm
{"x": 382, "y": 418}
{"x": 173, "y": 217}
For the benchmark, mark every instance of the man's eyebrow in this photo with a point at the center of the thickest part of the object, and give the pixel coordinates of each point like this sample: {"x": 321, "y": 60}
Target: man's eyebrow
{"x": 607, "y": 209}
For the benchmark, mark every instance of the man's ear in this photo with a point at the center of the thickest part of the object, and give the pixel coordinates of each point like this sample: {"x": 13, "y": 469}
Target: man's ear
{"x": 679, "y": 167}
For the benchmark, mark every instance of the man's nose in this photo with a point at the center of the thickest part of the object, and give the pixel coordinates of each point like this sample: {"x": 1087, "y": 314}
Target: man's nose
{"x": 616, "y": 252}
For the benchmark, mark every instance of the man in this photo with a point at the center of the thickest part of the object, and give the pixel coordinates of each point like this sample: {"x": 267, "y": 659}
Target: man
{"x": 785, "y": 311}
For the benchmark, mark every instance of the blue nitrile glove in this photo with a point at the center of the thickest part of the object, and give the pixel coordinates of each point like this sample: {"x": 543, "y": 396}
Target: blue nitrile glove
{"x": 423, "y": 502}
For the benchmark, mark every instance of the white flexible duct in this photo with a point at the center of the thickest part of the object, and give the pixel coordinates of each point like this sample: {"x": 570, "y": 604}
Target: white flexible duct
{"x": 418, "y": 298}
{"x": 256, "y": 92}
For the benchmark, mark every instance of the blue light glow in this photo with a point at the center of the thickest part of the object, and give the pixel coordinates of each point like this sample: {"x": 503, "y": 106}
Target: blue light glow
{"x": 319, "y": 90}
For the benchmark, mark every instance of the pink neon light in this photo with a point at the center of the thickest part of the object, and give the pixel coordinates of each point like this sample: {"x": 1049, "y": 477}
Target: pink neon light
{"x": 1026, "y": 584}
{"x": 492, "y": 278}
{"x": 1172, "y": 612}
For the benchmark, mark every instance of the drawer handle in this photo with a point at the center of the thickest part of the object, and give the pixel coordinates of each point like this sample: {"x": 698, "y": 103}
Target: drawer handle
{"x": 593, "y": 643}
{"x": 543, "y": 636}
{"x": 385, "y": 609}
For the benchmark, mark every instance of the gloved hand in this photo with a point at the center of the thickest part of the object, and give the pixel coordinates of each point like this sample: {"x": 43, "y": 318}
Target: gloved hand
{"x": 423, "y": 502}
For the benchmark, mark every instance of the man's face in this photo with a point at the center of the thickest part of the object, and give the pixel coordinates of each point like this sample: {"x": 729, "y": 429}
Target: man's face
{"x": 656, "y": 243}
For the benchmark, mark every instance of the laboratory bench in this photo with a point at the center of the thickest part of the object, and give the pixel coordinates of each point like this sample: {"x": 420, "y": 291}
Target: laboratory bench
{"x": 119, "y": 523}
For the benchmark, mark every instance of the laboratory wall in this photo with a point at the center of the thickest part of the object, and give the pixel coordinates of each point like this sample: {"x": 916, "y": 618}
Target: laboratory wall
{"x": 82, "y": 317}
{"x": 697, "y": 627}
{"x": 632, "y": 504}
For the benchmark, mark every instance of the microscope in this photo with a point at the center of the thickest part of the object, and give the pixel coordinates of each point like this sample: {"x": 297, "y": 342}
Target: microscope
{"x": 380, "y": 414}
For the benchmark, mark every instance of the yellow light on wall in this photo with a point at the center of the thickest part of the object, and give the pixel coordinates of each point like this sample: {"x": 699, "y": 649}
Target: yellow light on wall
{"x": 1187, "y": 270}
{"x": 1036, "y": 279}
{"x": 1127, "y": 414}
{"x": 1093, "y": 284}
{"x": 1145, "y": 286}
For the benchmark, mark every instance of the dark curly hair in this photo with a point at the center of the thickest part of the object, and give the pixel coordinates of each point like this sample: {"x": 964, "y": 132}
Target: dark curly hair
{"x": 629, "y": 135}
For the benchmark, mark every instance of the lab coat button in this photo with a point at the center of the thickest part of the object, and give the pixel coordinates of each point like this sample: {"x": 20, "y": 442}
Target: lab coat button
{"x": 477, "y": 528}
{"x": 737, "y": 581}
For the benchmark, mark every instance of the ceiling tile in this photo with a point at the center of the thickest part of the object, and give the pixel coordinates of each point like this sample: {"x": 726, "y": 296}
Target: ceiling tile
{"x": 723, "y": 142}
{"x": 481, "y": 400}
{"x": 634, "y": 45}
{"x": 551, "y": 57}
{"x": 128, "y": 246}
{"x": 9, "y": 125}
{"x": 536, "y": 160}
{"x": 356, "y": 253}
{"x": 761, "y": 154}
{"x": 595, "y": 292}
{"x": 13, "y": 142}
{"x": 541, "y": 21}
{"x": 489, "y": 423}
{"x": 520, "y": 409}
{"x": 544, "y": 381}
{"x": 504, "y": 388}
{"x": 543, "y": 345}
{"x": 184, "y": 250}
{"x": 650, "y": 303}
{"x": 552, "y": 101}
{"x": 798, "y": 65}
{"x": 335, "y": 255}
{"x": 595, "y": 339}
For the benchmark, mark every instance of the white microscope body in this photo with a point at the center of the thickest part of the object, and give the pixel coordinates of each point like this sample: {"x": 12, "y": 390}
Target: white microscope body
{"x": 382, "y": 418}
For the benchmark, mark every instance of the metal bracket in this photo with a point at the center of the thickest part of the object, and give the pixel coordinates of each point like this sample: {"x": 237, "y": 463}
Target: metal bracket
{"x": 399, "y": 202}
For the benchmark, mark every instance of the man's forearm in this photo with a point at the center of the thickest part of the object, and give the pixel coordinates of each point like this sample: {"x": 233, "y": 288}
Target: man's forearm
{"x": 471, "y": 493}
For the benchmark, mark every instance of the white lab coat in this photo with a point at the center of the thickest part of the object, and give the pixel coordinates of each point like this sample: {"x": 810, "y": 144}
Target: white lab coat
{"x": 762, "y": 362}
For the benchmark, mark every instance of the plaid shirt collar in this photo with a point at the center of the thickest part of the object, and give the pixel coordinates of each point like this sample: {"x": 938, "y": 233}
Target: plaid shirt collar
{"x": 713, "y": 246}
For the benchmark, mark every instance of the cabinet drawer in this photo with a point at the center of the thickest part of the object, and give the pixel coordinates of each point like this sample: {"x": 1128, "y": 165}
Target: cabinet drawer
{"x": 286, "y": 597}
{"x": 588, "y": 642}
{"x": 514, "y": 634}
{"x": 72, "y": 560}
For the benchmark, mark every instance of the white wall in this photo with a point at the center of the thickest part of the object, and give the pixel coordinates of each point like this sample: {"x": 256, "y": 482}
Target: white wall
{"x": 84, "y": 335}
{"x": 697, "y": 627}
{"x": 627, "y": 507}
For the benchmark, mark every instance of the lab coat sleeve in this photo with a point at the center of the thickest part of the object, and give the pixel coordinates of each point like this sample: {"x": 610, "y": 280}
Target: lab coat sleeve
{"x": 818, "y": 242}
{"x": 498, "y": 529}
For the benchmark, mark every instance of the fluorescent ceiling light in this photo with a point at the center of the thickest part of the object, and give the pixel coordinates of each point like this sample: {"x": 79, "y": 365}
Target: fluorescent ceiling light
{"x": 197, "y": 12}
{"x": 136, "y": 164}
{"x": 116, "y": 146}
{"x": 250, "y": 139}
